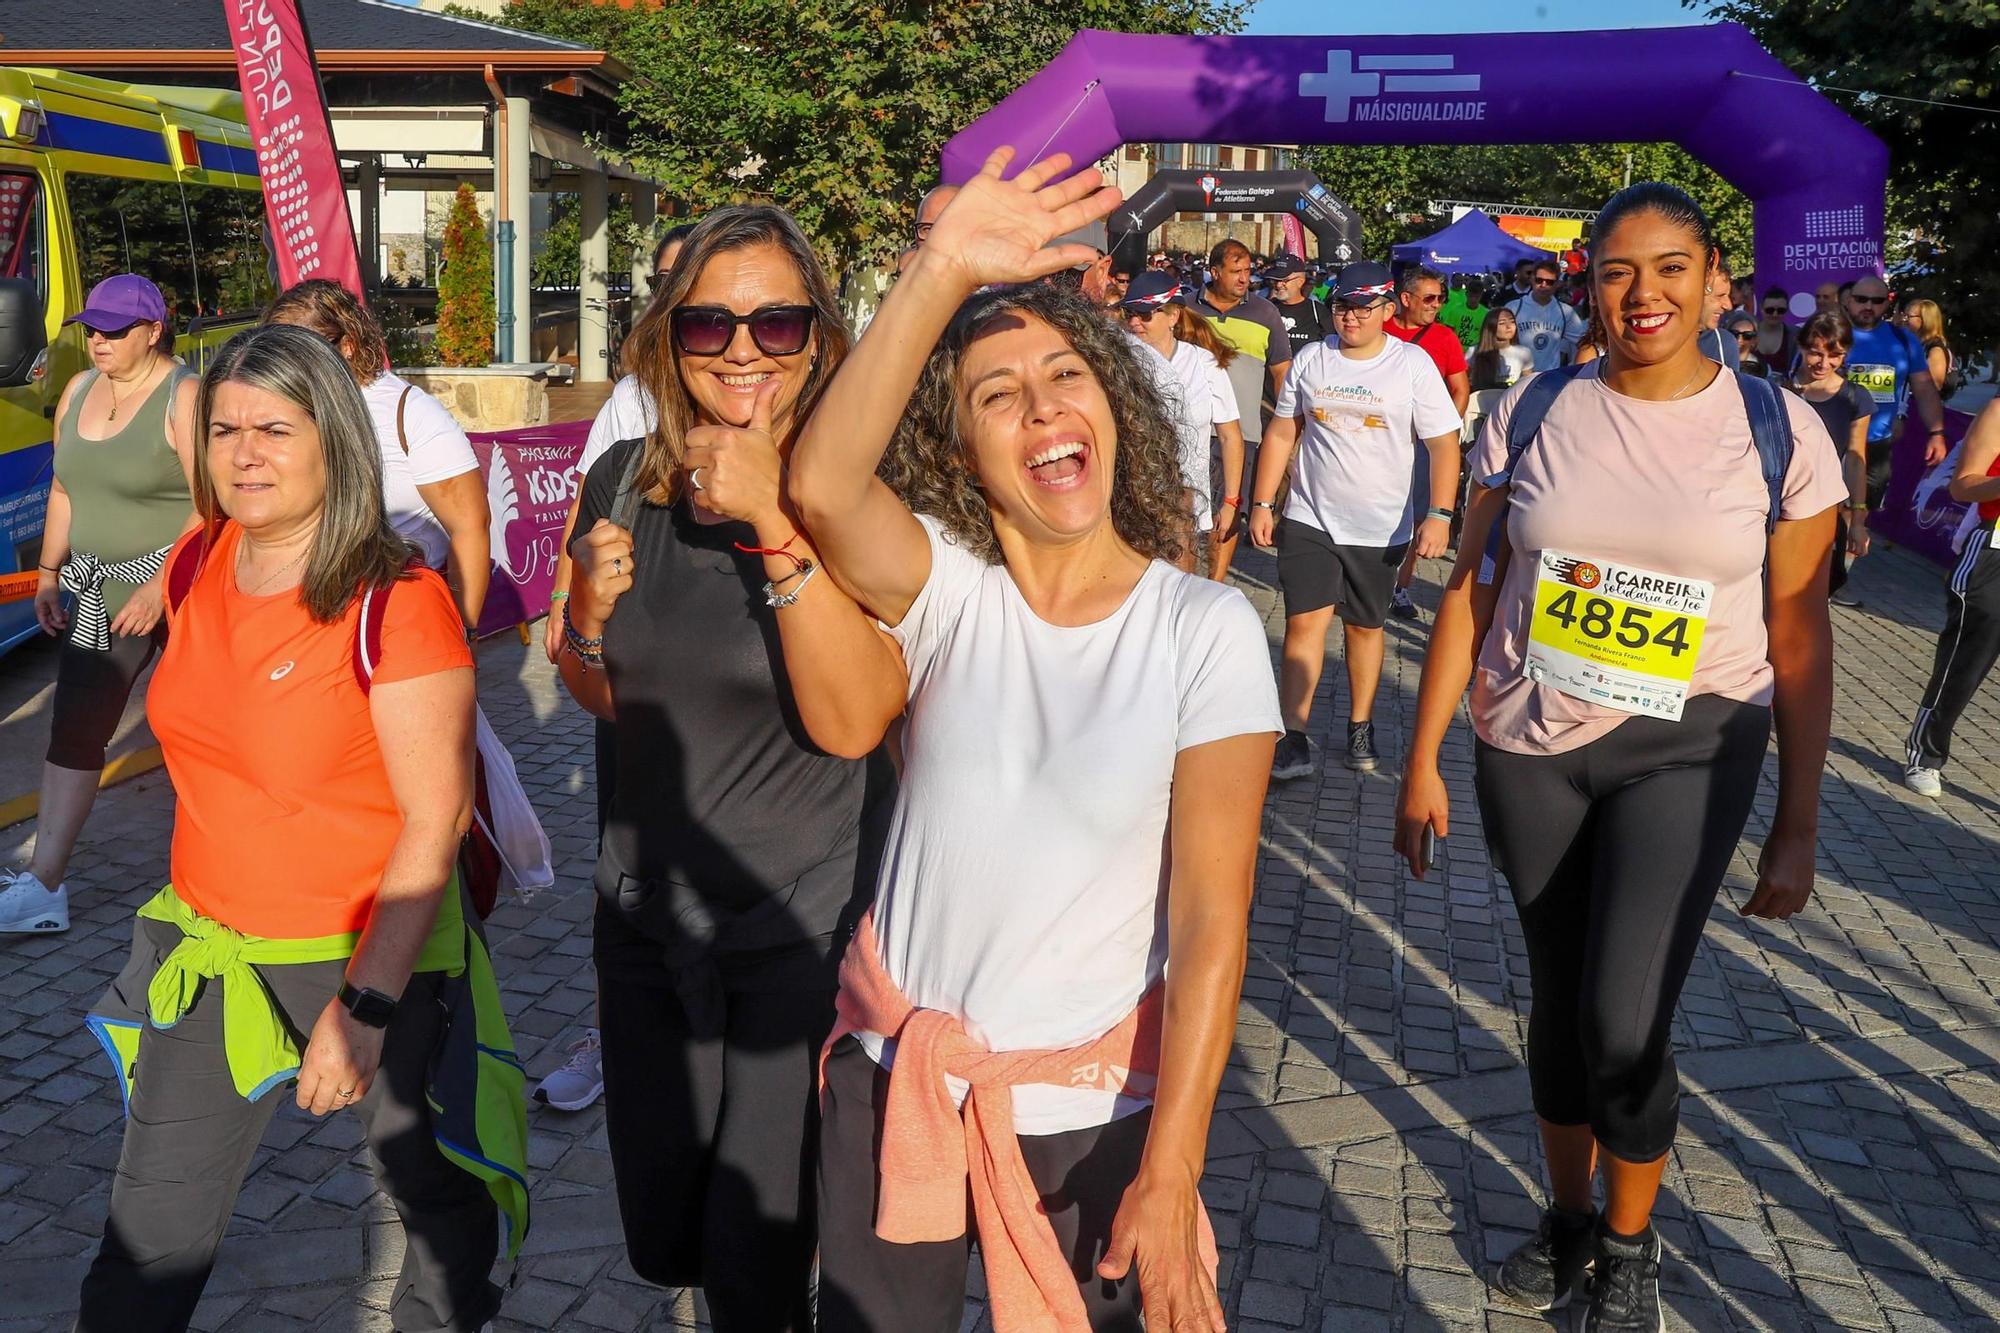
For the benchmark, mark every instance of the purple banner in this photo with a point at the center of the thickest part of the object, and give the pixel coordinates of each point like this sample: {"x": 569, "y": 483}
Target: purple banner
{"x": 530, "y": 481}
{"x": 1815, "y": 176}
{"x": 1918, "y": 511}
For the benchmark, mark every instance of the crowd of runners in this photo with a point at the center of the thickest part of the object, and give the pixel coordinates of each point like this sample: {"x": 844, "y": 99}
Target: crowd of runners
{"x": 933, "y": 740}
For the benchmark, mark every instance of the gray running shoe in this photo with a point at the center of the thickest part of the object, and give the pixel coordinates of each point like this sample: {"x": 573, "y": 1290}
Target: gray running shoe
{"x": 1545, "y": 1272}
{"x": 1361, "y": 756}
{"x": 1296, "y": 757}
{"x": 30, "y": 907}
{"x": 1625, "y": 1288}
{"x": 580, "y": 1080}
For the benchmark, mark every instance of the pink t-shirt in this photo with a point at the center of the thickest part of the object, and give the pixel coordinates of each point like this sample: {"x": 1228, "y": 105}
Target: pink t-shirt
{"x": 1671, "y": 487}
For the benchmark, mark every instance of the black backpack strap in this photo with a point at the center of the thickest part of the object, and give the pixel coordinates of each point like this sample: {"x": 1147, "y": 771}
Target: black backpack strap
{"x": 1771, "y": 432}
{"x": 1532, "y": 407}
{"x": 625, "y": 500}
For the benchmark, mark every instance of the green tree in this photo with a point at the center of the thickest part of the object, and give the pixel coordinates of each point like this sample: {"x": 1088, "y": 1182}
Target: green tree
{"x": 1944, "y": 161}
{"x": 834, "y": 109}
{"x": 465, "y": 289}
{"x": 1388, "y": 187}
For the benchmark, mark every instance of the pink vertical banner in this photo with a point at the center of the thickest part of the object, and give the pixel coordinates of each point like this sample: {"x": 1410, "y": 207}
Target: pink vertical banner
{"x": 303, "y": 195}
{"x": 1294, "y": 233}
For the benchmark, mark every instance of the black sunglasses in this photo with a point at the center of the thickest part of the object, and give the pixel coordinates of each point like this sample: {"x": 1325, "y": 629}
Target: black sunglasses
{"x": 1869, "y": 300}
{"x": 1774, "y": 310}
{"x": 778, "y": 330}
{"x": 112, "y": 335}
{"x": 1545, "y": 282}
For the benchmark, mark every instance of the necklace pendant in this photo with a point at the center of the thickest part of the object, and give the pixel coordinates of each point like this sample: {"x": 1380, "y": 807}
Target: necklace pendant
{"x": 113, "y": 416}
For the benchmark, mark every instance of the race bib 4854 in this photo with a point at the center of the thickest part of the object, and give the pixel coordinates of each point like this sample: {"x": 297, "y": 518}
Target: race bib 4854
{"x": 1616, "y": 635}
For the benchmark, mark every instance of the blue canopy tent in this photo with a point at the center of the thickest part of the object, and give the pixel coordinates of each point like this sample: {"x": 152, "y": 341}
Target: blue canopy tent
{"x": 1473, "y": 244}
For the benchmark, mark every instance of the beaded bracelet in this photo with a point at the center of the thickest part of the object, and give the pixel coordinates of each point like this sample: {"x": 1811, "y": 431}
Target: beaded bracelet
{"x": 589, "y": 651}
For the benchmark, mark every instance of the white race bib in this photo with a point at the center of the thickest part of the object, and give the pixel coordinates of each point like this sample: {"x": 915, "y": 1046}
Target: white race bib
{"x": 1615, "y": 635}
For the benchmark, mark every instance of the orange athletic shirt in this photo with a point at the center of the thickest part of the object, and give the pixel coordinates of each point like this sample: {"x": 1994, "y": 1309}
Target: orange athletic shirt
{"x": 285, "y": 818}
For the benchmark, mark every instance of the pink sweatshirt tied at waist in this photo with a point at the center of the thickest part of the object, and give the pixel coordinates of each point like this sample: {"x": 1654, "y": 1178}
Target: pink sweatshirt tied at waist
{"x": 931, "y": 1151}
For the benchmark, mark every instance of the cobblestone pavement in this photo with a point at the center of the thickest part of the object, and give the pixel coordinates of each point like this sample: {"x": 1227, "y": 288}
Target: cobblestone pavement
{"x": 1837, "y": 1165}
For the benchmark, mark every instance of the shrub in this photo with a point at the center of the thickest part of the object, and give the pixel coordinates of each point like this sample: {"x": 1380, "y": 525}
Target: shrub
{"x": 466, "y": 314}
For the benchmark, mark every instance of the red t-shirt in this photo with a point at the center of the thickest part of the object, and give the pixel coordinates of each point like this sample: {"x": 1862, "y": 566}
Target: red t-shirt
{"x": 284, "y": 819}
{"x": 1445, "y": 351}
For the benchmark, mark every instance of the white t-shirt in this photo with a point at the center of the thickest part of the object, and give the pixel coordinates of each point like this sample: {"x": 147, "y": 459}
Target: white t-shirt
{"x": 1547, "y": 331}
{"x": 1517, "y": 361}
{"x": 628, "y": 414}
{"x": 1207, "y": 401}
{"x": 438, "y": 452}
{"x": 1359, "y": 426}
{"x": 1024, "y": 884}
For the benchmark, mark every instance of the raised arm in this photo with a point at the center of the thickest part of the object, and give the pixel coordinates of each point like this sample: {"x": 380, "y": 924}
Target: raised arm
{"x": 994, "y": 231}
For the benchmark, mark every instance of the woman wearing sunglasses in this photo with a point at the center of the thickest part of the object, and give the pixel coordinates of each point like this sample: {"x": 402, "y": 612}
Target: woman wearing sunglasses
{"x": 743, "y": 688}
{"x": 124, "y": 450}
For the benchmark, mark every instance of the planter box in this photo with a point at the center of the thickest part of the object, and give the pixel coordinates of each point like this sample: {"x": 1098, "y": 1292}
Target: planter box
{"x": 487, "y": 398}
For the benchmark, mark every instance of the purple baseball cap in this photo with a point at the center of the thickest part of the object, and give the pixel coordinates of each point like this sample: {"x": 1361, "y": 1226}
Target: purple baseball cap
{"x": 120, "y": 302}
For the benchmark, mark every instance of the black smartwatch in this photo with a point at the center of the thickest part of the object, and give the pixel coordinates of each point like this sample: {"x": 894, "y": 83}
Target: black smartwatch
{"x": 370, "y": 1008}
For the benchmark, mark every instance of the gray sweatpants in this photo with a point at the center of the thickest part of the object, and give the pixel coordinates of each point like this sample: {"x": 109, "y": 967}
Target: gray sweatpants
{"x": 189, "y": 1138}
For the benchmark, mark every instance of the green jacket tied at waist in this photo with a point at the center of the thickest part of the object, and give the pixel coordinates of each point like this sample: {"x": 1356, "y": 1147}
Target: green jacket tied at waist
{"x": 476, "y": 1084}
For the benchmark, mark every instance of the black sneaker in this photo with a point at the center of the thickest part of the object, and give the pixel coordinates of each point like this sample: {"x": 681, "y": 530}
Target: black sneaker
{"x": 1625, "y": 1288}
{"x": 1401, "y": 607}
{"x": 1361, "y": 754}
{"x": 1295, "y": 757}
{"x": 1544, "y": 1273}
{"x": 1845, "y": 598}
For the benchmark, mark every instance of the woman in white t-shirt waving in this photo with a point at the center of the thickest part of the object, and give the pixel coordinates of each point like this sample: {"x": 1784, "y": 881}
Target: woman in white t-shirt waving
{"x": 1658, "y": 603}
{"x": 1089, "y": 735}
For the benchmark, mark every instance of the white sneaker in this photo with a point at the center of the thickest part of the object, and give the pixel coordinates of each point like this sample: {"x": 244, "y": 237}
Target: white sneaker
{"x": 1923, "y": 781}
{"x": 580, "y": 1081}
{"x": 30, "y": 907}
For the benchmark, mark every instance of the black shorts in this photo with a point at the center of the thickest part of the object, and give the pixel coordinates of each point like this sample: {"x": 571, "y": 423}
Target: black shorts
{"x": 1315, "y": 572}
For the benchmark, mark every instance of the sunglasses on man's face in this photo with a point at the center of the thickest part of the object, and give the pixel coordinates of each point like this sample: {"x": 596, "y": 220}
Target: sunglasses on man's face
{"x": 707, "y": 330}
{"x": 1545, "y": 282}
{"x": 1774, "y": 310}
{"x": 1869, "y": 300}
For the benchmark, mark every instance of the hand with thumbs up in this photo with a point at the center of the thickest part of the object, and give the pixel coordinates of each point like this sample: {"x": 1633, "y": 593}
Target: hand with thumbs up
{"x": 735, "y": 471}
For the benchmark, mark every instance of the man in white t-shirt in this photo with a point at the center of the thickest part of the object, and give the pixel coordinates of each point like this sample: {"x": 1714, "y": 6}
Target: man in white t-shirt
{"x": 1545, "y": 326}
{"x": 1355, "y": 406}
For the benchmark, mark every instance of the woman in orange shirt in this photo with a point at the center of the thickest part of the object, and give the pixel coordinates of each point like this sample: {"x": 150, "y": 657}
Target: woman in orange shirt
{"x": 315, "y": 707}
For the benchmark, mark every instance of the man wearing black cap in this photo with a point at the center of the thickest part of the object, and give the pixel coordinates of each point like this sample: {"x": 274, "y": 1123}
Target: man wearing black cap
{"x": 1355, "y": 405}
{"x": 1306, "y": 320}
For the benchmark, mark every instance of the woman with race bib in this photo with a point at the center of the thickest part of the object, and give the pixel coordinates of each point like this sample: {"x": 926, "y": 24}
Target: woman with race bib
{"x": 1657, "y": 602}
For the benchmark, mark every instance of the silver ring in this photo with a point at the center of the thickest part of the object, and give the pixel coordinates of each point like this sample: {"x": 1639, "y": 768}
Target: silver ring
{"x": 617, "y": 564}
{"x": 695, "y": 477}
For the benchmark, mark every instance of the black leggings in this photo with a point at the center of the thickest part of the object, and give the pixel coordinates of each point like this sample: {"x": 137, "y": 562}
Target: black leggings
{"x": 870, "y": 1285}
{"x": 92, "y": 689}
{"x": 712, "y": 1139}
{"x": 1615, "y": 851}
{"x": 1966, "y": 651}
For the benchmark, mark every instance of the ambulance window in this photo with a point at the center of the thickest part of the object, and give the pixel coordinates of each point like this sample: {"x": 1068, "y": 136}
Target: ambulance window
{"x": 135, "y": 226}
{"x": 229, "y": 250}
{"x": 22, "y": 230}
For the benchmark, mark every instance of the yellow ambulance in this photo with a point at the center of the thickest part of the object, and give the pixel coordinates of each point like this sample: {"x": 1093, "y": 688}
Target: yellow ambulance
{"x": 98, "y": 178}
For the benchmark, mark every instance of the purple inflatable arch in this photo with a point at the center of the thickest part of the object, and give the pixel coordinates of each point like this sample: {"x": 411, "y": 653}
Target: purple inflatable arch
{"x": 1815, "y": 176}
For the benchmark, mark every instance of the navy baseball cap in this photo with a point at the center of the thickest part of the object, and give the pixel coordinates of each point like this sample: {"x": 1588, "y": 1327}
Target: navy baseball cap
{"x": 119, "y": 303}
{"x": 1363, "y": 284}
{"x": 1284, "y": 266}
{"x": 1150, "y": 290}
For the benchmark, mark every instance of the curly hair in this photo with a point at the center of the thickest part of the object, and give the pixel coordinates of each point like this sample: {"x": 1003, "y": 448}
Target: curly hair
{"x": 337, "y": 315}
{"x": 928, "y": 463}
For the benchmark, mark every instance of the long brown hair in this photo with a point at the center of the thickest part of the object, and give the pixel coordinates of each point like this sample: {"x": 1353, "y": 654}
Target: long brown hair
{"x": 1192, "y": 328}
{"x": 649, "y": 349}
{"x": 354, "y": 547}
{"x": 335, "y": 314}
{"x": 928, "y": 463}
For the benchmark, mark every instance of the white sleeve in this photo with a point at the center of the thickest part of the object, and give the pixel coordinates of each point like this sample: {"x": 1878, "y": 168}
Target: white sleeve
{"x": 439, "y": 450}
{"x": 1292, "y": 396}
{"x": 626, "y": 415}
{"x": 1222, "y": 667}
{"x": 1575, "y": 326}
{"x": 1223, "y": 396}
{"x": 1432, "y": 412}
{"x": 955, "y": 574}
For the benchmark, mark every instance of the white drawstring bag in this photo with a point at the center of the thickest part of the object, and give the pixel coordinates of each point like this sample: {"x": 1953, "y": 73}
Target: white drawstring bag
{"x": 516, "y": 830}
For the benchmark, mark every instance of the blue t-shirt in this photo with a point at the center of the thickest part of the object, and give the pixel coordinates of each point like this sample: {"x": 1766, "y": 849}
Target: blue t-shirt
{"x": 1882, "y": 360}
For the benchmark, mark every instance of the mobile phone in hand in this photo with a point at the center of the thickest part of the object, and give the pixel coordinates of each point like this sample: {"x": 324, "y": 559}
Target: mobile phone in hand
{"x": 1429, "y": 849}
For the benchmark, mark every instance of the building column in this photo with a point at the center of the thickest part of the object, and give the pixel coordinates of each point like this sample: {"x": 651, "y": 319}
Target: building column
{"x": 593, "y": 296}
{"x": 645, "y": 201}
{"x": 520, "y": 124}
{"x": 369, "y": 187}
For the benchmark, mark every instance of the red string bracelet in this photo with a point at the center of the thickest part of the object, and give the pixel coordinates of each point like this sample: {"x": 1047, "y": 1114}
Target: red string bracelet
{"x": 785, "y": 551}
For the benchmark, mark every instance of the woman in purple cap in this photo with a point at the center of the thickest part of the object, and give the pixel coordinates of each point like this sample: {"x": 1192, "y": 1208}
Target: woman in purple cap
{"x": 121, "y": 495}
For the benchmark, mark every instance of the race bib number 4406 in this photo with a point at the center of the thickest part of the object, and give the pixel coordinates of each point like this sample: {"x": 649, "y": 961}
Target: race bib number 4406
{"x": 1615, "y": 635}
